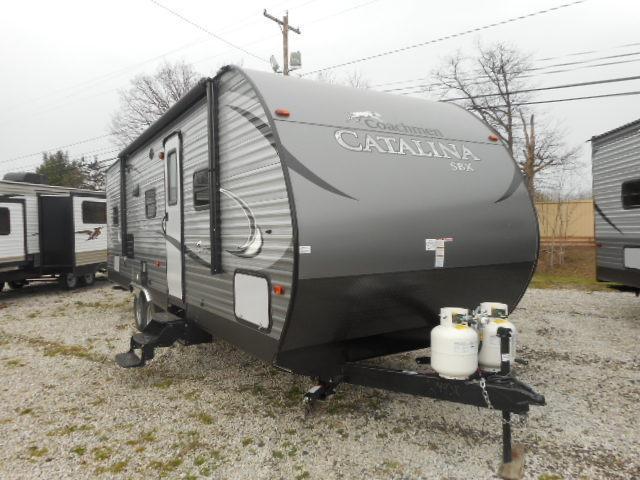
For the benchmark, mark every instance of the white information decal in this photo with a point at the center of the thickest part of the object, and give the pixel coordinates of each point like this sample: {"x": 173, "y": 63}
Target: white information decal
{"x": 439, "y": 262}
{"x": 304, "y": 249}
{"x": 430, "y": 244}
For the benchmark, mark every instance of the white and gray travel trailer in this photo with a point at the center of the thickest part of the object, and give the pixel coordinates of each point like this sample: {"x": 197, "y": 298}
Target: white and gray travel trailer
{"x": 616, "y": 193}
{"x": 317, "y": 225}
{"x": 47, "y": 230}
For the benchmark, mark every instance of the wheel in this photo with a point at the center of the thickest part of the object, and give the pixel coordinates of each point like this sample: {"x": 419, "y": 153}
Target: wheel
{"x": 16, "y": 284}
{"x": 1, "y": 286}
{"x": 68, "y": 280}
{"x": 88, "y": 279}
{"x": 142, "y": 311}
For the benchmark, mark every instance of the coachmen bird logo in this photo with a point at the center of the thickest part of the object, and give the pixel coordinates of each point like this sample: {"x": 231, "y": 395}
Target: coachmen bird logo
{"x": 359, "y": 116}
{"x": 92, "y": 234}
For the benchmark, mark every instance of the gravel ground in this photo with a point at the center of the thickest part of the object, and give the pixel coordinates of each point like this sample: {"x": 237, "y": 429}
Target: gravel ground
{"x": 67, "y": 411}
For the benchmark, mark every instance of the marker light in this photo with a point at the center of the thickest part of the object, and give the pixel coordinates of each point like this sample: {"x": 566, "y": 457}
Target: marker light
{"x": 282, "y": 112}
{"x": 161, "y": 155}
{"x": 278, "y": 289}
{"x": 493, "y": 138}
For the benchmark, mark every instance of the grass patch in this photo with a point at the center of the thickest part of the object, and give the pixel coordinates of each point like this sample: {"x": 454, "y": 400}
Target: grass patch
{"x": 203, "y": 417}
{"x": 165, "y": 467}
{"x": 14, "y": 362}
{"x": 25, "y": 411}
{"x": 144, "y": 437}
{"x": 36, "y": 452}
{"x": 550, "y": 476}
{"x": 53, "y": 349}
{"x": 102, "y": 453}
{"x": 549, "y": 280}
{"x": 247, "y": 441}
{"x": 163, "y": 384}
{"x": 33, "y": 314}
{"x": 277, "y": 454}
{"x": 117, "y": 467}
{"x": 303, "y": 475}
{"x": 68, "y": 430}
{"x": 79, "y": 450}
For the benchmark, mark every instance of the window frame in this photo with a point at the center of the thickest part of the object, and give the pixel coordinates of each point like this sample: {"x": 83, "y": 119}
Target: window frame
{"x": 147, "y": 203}
{"x": 624, "y": 196}
{"x": 8, "y": 230}
{"x": 85, "y": 213}
{"x": 202, "y": 206}
{"x": 172, "y": 200}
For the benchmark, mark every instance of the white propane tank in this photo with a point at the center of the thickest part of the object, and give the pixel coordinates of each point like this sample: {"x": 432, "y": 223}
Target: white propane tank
{"x": 454, "y": 346}
{"x": 493, "y": 316}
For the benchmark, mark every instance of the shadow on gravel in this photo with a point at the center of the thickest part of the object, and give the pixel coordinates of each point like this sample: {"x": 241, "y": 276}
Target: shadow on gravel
{"x": 46, "y": 286}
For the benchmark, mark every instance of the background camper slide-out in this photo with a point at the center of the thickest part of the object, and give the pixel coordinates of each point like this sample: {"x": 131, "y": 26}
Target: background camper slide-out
{"x": 47, "y": 230}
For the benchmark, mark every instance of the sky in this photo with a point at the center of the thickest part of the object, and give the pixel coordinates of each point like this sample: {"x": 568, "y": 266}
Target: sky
{"x": 64, "y": 62}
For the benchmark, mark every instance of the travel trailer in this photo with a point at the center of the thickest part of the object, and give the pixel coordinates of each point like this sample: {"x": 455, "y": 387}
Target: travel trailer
{"x": 616, "y": 195}
{"x": 50, "y": 231}
{"x": 317, "y": 225}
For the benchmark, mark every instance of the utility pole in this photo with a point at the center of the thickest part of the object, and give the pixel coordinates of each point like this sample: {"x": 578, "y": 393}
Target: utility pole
{"x": 285, "y": 27}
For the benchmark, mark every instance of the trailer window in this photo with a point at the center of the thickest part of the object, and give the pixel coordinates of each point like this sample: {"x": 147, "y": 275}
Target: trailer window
{"x": 172, "y": 180}
{"x": 150, "y": 203}
{"x": 5, "y": 221}
{"x": 201, "y": 189}
{"x": 631, "y": 194}
{"x": 115, "y": 217}
{"x": 94, "y": 212}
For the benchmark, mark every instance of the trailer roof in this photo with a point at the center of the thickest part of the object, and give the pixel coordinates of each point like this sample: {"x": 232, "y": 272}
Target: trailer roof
{"x": 40, "y": 186}
{"x": 617, "y": 129}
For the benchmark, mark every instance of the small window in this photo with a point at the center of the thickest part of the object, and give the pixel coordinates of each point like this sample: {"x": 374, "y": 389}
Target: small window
{"x": 172, "y": 180}
{"x": 150, "y": 203}
{"x": 631, "y": 194}
{"x": 201, "y": 189}
{"x": 94, "y": 212}
{"x": 5, "y": 221}
{"x": 115, "y": 217}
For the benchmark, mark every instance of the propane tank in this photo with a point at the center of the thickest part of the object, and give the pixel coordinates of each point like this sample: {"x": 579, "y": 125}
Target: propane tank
{"x": 454, "y": 345}
{"x": 492, "y": 316}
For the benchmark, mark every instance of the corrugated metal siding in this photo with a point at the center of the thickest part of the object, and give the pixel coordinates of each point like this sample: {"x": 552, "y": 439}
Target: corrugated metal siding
{"x": 250, "y": 169}
{"x": 114, "y": 244}
{"x": 616, "y": 158}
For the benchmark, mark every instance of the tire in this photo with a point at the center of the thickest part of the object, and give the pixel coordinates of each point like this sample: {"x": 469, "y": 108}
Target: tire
{"x": 16, "y": 284}
{"x": 1, "y": 286}
{"x": 142, "y": 311}
{"x": 88, "y": 279}
{"x": 68, "y": 281}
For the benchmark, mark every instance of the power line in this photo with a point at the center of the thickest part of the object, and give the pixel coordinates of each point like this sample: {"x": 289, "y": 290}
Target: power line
{"x": 572, "y": 99}
{"x": 424, "y": 86}
{"x": 59, "y": 147}
{"x": 208, "y": 32}
{"x": 395, "y": 82}
{"x": 555, "y": 87}
{"x": 447, "y": 37}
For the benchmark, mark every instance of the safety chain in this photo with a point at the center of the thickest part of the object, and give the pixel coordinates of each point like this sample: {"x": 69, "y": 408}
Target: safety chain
{"x": 517, "y": 419}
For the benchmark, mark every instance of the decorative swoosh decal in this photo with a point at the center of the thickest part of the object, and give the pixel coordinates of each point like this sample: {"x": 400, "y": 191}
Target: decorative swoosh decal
{"x": 290, "y": 161}
{"x": 516, "y": 180}
{"x": 605, "y": 218}
{"x": 190, "y": 253}
{"x": 253, "y": 246}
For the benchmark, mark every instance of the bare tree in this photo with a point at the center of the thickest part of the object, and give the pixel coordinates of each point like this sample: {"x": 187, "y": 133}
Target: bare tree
{"x": 355, "y": 79}
{"x": 326, "y": 76}
{"x": 493, "y": 85}
{"x": 148, "y": 97}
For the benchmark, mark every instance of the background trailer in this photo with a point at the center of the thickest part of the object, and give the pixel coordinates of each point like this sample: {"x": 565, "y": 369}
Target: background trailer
{"x": 616, "y": 194}
{"x": 50, "y": 230}
{"x": 316, "y": 225}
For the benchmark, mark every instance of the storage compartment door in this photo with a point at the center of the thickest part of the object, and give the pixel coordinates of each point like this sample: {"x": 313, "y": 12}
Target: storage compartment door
{"x": 251, "y": 299}
{"x": 12, "y": 233}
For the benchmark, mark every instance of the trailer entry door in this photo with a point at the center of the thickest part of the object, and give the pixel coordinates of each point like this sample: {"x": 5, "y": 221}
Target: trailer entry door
{"x": 172, "y": 222}
{"x": 12, "y": 233}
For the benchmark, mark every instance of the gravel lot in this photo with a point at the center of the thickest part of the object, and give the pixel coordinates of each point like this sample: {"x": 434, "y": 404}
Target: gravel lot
{"x": 67, "y": 411}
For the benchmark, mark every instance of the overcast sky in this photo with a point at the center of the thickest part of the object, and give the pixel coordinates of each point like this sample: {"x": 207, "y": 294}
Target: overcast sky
{"x": 63, "y": 62}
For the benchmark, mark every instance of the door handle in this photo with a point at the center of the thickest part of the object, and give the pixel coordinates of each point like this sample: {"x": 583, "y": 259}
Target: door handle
{"x": 164, "y": 222}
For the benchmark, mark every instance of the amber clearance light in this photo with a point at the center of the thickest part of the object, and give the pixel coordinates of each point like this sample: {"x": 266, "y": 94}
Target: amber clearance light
{"x": 493, "y": 138}
{"x": 282, "y": 112}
